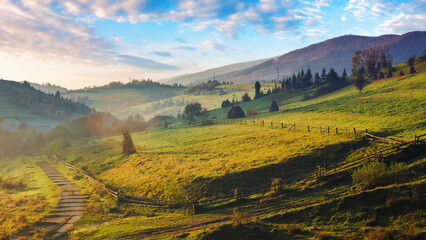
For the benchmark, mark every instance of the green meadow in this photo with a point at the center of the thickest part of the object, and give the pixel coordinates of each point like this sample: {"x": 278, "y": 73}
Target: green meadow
{"x": 295, "y": 183}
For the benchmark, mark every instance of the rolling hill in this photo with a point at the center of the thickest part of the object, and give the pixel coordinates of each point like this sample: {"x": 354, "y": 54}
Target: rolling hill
{"x": 22, "y": 103}
{"x": 210, "y": 161}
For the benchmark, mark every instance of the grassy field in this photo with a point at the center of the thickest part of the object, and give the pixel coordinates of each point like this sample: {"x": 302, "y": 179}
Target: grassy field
{"x": 210, "y": 160}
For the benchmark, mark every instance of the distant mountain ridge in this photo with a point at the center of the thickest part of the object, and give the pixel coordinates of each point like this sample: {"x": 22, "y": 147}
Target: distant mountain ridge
{"x": 336, "y": 52}
{"x": 204, "y": 76}
{"x": 48, "y": 88}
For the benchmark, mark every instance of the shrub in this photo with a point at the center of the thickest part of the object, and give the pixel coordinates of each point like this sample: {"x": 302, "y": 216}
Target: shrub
{"x": 379, "y": 234}
{"x": 368, "y": 175}
{"x": 251, "y": 111}
{"x": 277, "y": 185}
{"x": 376, "y": 173}
{"x": 11, "y": 183}
{"x": 239, "y": 217}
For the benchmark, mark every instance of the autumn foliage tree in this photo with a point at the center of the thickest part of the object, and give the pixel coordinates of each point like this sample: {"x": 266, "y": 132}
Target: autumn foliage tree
{"x": 370, "y": 60}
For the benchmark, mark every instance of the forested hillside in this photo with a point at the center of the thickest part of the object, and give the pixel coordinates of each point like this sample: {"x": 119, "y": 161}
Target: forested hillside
{"x": 22, "y": 103}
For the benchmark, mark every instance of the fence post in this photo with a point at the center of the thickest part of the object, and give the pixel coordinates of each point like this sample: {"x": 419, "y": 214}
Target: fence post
{"x": 272, "y": 124}
{"x": 308, "y": 129}
{"x": 328, "y": 129}
{"x": 337, "y": 130}
{"x": 294, "y": 126}
{"x": 354, "y": 131}
{"x": 282, "y": 125}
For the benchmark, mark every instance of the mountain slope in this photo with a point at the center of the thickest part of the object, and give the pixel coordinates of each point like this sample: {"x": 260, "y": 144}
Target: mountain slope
{"x": 206, "y": 75}
{"x": 335, "y": 52}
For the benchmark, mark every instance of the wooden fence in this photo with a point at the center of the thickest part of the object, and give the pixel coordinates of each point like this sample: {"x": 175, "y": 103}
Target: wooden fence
{"x": 117, "y": 194}
{"x": 294, "y": 126}
{"x": 400, "y": 144}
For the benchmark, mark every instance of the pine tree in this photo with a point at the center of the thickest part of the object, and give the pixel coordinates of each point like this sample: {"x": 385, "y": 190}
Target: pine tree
{"x": 323, "y": 75}
{"x": 257, "y": 87}
{"x": 308, "y": 78}
{"x": 317, "y": 79}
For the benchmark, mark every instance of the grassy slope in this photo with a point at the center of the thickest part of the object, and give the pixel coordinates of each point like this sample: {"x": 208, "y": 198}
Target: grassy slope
{"x": 396, "y": 105}
{"x": 229, "y": 156}
{"x": 21, "y": 207}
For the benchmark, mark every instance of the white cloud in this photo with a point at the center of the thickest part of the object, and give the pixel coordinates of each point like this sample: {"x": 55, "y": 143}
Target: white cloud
{"x": 343, "y": 18}
{"x": 362, "y": 9}
{"x": 268, "y": 5}
{"x": 403, "y": 23}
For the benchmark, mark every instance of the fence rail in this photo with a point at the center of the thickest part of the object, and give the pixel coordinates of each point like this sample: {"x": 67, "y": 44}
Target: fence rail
{"x": 293, "y": 126}
{"x": 397, "y": 145}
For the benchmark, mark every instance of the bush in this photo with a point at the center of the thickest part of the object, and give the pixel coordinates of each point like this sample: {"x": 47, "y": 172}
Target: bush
{"x": 368, "y": 175}
{"x": 376, "y": 173}
{"x": 239, "y": 217}
{"x": 251, "y": 111}
{"x": 12, "y": 183}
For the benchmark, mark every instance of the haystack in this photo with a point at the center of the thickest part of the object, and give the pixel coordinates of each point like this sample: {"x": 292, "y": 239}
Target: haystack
{"x": 389, "y": 74}
{"x": 128, "y": 146}
{"x": 226, "y": 103}
{"x": 235, "y": 112}
{"x": 412, "y": 70}
{"x": 401, "y": 73}
{"x": 274, "y": 106}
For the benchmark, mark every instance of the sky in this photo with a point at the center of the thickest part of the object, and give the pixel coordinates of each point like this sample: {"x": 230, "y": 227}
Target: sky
{"x": 93, "y": 42}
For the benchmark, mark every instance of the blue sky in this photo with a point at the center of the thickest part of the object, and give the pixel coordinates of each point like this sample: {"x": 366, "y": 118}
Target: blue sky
{"x": 92, "y": 42}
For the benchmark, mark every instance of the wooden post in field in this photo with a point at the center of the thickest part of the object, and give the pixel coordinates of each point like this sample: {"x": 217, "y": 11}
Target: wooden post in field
{"x": 337, "y": 130}
{"x": 282, "y": 125}
{"x": 354, "y": 131}
{"x": 328, "y": 129}
{"x": 294, "y": 126}
{"x": 308, "y": 129}
{"x": 272, "y": 124}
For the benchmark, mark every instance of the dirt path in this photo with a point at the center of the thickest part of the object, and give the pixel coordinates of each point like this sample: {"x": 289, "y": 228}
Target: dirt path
{"x": 70, "y": 207}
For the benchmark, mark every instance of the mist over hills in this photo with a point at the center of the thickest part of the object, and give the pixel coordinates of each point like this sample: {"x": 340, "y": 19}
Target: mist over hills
{"x": 336, "y": 52}
{"x": 204, "y": 76}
